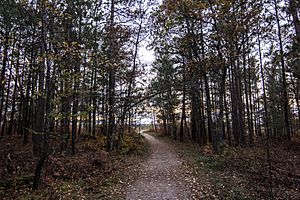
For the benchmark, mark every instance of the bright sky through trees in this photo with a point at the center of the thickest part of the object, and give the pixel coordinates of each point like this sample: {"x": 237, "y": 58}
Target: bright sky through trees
{"x": 146, "y": 55}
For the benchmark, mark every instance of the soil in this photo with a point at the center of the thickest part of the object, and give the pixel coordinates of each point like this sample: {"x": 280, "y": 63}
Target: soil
{"x": 162, "y": 175}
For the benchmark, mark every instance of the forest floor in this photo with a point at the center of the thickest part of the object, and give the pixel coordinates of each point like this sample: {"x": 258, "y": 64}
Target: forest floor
{"x": 90, "y": 174}
{"x": 242, "y": 172}
{"x": 152, "y": 167}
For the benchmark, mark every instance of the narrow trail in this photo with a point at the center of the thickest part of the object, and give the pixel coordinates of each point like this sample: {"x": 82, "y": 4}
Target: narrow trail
{"x": 161, "y": 175}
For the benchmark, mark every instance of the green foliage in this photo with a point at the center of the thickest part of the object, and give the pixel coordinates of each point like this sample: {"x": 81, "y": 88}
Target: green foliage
{"x": 95, "y": 143}
{"x": 216, "y": 163}
{"x": 134, "y": 144}
{"x": 16, "y": 182}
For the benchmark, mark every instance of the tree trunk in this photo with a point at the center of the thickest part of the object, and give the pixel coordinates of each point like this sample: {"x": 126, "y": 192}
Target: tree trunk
{"x": 45, "y": 102}
{"x": 38, "y": 136}
{"x": 284, "y": 83}
{"x": 75, "y": 107}
{"x": 294, "y": 10}
{"x": 111, "y": 82}
{"x": 211, "y": 132}
{"x": 13, "y": 107}
{"x": 3, "y": 72}
{"x": 6, "y": 104}
{"x": 183, "y": 114}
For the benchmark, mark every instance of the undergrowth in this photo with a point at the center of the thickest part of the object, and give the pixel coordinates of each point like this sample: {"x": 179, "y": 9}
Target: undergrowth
{"x": 239, "y": 173}
{"x": 92, "y": 173}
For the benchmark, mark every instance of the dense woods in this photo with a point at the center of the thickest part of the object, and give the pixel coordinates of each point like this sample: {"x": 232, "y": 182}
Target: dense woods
{"x": 231, "y": 68}
{"x": 231, "y": 72}
{"x": 68, "y": 68}
{"x": 226, "y": 73}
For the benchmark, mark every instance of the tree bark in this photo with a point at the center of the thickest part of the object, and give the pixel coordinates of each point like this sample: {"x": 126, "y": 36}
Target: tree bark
{"x": 283, "y": 71}
{"x": 111, "y": 81}
{"x": 3, "y": 72}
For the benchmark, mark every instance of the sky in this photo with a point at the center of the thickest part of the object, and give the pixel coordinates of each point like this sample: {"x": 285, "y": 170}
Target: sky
{"x": 146, "y": 56}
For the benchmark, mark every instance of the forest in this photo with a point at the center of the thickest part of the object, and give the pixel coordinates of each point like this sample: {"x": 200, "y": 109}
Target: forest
{"x": 84, "y": 115}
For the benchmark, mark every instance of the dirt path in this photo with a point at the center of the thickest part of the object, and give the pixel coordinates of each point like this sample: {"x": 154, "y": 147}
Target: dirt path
{"x": 161, "y": 175}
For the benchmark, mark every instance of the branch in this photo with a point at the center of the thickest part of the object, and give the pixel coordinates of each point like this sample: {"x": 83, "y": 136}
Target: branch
{"x": 144, "y": 99}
